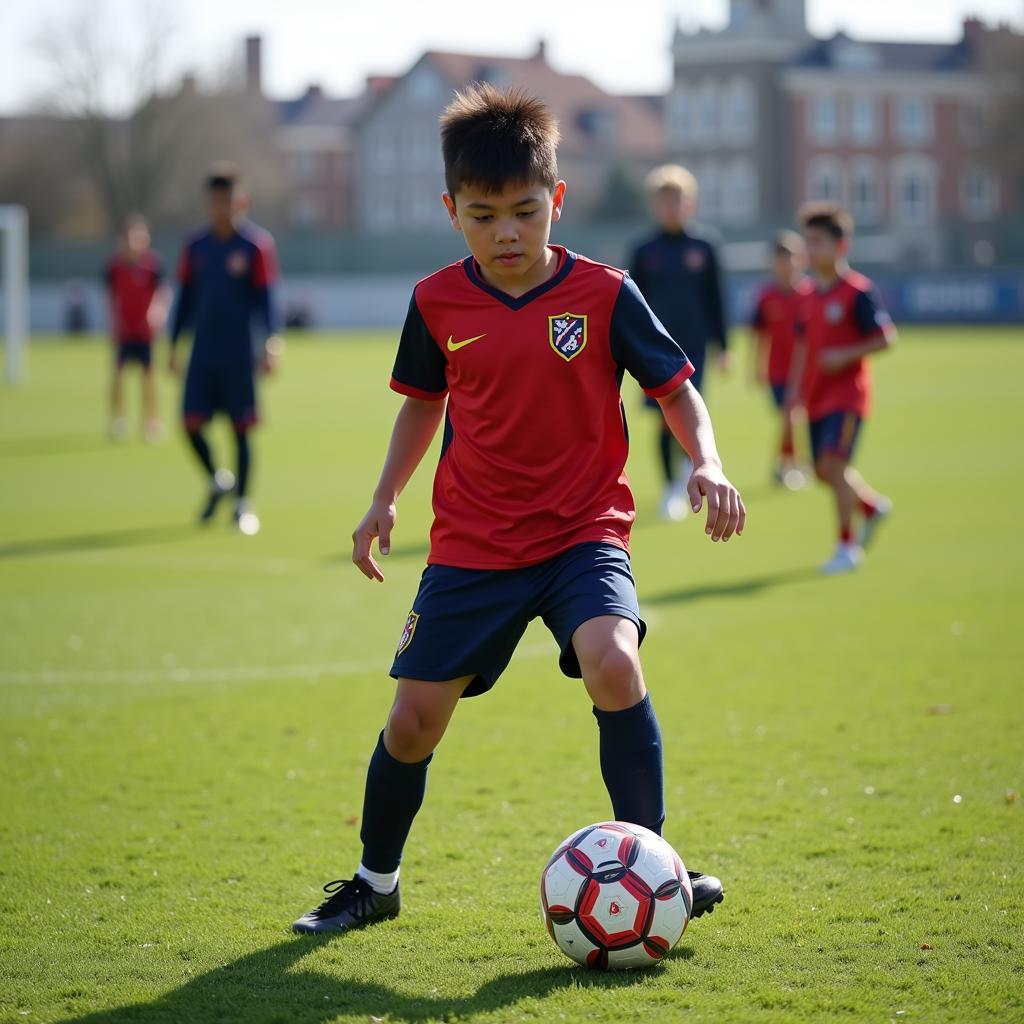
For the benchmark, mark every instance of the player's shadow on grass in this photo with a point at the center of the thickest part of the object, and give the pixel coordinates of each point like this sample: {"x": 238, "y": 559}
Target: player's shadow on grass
{"x": 97, "y": 541}
{"x": 734, "y": 588}
{"x": 52, "y": 444}
{"x": 270, "y": 986}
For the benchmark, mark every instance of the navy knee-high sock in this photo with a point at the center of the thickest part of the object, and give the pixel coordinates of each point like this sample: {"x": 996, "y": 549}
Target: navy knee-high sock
{"x": 631, "y": 764}
{"x": 244, "y": 458}
{"x": 394, "y": 793}
{"x": 202, "y": 449}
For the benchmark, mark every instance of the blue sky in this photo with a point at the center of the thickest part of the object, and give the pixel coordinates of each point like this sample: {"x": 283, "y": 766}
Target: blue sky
{"x": 622, "y": 45}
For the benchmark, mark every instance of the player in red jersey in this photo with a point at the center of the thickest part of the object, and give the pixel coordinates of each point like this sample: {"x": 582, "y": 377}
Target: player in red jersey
{"x": 520, "y": 349}
{"x": 774, "y": 324}
{"x": 843, "y": 324}
{"x": 138, "y": 302}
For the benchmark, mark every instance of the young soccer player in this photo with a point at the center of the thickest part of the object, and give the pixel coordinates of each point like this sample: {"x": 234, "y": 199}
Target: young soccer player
{"x": 843, "y": 324}
{"x": 519, "y": 348}
{"x": 677, "y": 270}
{"x": 226, "y": 277}
{"x": 774, "y": 324}
{"x": 138, "y": 302}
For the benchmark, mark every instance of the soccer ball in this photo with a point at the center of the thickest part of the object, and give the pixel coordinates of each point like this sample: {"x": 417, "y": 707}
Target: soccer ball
{"x": 615, "y": 896}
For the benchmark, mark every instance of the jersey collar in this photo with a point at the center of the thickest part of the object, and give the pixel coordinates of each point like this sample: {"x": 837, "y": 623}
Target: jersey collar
{"x": 567, "y": 263}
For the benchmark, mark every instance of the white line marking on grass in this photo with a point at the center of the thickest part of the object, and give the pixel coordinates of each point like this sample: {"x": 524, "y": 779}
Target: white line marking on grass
{"x": 235, "y": 674}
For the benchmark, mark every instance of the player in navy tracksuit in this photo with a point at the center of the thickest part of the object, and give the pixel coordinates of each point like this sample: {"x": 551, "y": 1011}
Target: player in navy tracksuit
{"x": 226, "y": 274}
{"x": 678, "y": 272}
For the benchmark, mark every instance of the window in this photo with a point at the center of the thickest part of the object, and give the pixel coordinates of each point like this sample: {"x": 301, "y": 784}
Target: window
{"x": 709, "y": 188}
{"x": 913, "y": 120}
{"x": 824, "y": 121}
{"x": 706, "y": 126}
{"x": 979, "y": 193}
{"x": 863, "y": 120}
{"x": 913, "y": 183}
{"x": 680, "y": 115}
{"x": 739, "y": 192}
{"x": 865, "y": 193}
{"x": 739, "y": 118}
{"x": 825, "y": 179}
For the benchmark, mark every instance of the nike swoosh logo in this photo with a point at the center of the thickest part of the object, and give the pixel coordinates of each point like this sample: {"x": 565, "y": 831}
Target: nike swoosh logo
{"x": 454, "y": 346}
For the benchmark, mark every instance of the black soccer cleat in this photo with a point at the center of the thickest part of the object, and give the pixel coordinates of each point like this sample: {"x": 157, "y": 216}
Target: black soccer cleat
{"x": 351, "y": 903}
{"x": 222, "y": 484}
{"x": 707, "y": 892}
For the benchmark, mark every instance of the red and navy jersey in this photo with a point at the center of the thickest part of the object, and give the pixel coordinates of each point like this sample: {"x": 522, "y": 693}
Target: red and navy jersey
{"x": 846, "y": 313}
{"x": 131, "y": 285}
{"x": 679, "y": 276}
{"x": 535, "y": 442}
{"x": 776, "y": 315}
{"x": 223, "y": 285}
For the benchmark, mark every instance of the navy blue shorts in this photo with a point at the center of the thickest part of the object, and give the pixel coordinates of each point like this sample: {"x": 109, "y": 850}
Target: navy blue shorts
{"x": 835, "y": 434}
{"x": 230, "y": 389}
{"x": 130, "y": 351}
{"x": 467, "y": 622}
{"x": 779, "y": 395}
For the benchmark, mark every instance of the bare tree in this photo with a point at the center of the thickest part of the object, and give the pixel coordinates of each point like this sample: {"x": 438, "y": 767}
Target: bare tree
{"x": 142, "y": 145}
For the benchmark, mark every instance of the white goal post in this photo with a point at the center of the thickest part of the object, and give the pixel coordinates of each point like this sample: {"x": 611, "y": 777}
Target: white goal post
{"x": 14, "y": 231}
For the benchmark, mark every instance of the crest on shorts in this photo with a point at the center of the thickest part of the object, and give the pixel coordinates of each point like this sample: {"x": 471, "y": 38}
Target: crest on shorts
{"x": 567, "y": 334}
{"x": 834, "y": 312}
{"x": 238, "y": 262}
{"x": 408, "y": 632}
{"x": 695, "y": 258}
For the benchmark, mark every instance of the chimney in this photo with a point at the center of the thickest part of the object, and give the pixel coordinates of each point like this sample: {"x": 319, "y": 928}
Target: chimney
{"x": 541, "y": 53}
{"x": 254, "y": 65}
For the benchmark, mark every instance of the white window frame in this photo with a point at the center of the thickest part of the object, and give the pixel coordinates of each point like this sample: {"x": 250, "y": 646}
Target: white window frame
{"x": 821, "y": 129}
{"x": 865, "y": 169}
{"x": 739, "y": 114}
{"x": 825, "y": 165}
{"x": 707, "y": 111}
{"x": 739, "y": 191}
{"x": 863, "y": 134}
{"x": 983, "y": 205}
{"x": 918, "y": 132}
{"x": 919, "y": 212}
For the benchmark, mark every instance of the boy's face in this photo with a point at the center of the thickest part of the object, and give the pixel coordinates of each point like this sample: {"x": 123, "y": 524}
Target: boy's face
{"x": 785, "y": 265}
{"x": 137, "y": 239}
{"x": 507, "y": 232}
{"x": 671, "y": 208}
{"x": 824, "y": 250}
{"x": 220, "y": 206}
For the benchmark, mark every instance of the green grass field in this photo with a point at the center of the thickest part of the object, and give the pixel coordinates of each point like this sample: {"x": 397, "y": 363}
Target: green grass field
{"x": 185, "y": 717}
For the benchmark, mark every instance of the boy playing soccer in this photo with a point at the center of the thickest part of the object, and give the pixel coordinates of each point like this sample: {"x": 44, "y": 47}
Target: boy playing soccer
{"x": 843, "y": 323}
{"x": 226, "y": 277}
{"x": 138, "y": 307}
{"x": 520, "y": 349}
{"x": 774, "y": 324}
{"x": 678, "y": 273}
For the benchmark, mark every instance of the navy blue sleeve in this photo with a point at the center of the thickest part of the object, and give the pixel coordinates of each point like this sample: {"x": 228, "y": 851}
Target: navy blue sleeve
{"x": 715, "y": 300}
{"x": 636, "y": 267}
{"x": 869, "y": 314}
{"x": 640, "y": 343}
{"x": 420, "y": 366}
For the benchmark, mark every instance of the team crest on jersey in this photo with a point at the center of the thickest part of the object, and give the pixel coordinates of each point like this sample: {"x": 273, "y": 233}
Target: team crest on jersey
{"x": 238, "y": 262}
{"x": 834, "y": 312}
{"x": 695, "y": 258}
{"x": 408, "y": 632}
{"x": 567, "y": 334}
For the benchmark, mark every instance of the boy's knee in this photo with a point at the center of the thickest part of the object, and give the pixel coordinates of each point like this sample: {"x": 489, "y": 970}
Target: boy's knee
{"x": 614, "y": 677}
{"x": 411, "y": 733}
{"x": 829, "y": 469}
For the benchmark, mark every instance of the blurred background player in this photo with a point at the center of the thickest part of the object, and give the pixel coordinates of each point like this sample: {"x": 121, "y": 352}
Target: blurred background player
{"x": 138, "y": 302}
{"x": 226, "y": 275}
{"x": 677, "y": 270}
{"x": 774, "y": 324}
{"x": 843, "y": 323}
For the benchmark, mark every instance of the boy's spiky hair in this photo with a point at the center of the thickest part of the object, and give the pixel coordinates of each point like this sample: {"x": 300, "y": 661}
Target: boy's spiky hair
{"x": 491, "y": 138}
{"x": 831, "y": 217}
{"x": 788, "y": 242}
{"x": 223, "y": 175}
{"x": 671, "y": 178}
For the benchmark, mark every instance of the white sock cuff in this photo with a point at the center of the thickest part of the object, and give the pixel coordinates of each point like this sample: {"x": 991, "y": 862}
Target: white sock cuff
{"x": 383, "y": 882}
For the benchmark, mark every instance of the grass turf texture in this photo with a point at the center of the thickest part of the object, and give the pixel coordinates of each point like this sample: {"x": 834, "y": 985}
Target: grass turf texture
{"x": 185, "y": 717}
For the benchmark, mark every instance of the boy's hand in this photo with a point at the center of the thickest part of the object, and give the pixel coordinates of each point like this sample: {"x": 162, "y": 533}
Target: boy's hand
{"x": 378, "y": 522}
{"x": 271, "y": 358}
{"x": 726, "y": 513}
{"x": 832, "y": 360}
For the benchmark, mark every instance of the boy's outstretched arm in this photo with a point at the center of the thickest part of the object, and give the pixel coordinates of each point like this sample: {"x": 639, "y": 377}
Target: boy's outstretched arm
{"x": 688, "y": 419}
{"x": 414, "y": 430}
